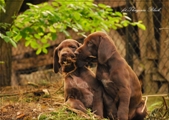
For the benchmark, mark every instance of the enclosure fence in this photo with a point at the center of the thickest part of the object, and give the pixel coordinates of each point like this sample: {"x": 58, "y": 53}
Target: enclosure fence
{"x": 147, "y": 52}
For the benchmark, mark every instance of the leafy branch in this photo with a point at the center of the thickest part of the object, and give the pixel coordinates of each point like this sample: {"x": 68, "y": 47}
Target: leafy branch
{"x": 41, "y": 23}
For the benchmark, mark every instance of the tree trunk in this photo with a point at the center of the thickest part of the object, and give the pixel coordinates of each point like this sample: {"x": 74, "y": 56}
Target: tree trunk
{"x": 12, "y": 8}
{"x": 5, "y": 66}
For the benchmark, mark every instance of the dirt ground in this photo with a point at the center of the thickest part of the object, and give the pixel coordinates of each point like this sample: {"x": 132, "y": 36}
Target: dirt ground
{"x": 29, "y": 101}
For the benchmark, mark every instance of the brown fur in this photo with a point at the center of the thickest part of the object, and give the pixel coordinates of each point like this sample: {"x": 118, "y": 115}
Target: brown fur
{"x": 81, "y": 89}
{"x": 124, "y": 96}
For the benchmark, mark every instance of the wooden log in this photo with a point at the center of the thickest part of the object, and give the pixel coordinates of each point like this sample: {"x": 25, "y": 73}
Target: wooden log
{"x": 163, "y": 67}
{"x": 147, "y": 45}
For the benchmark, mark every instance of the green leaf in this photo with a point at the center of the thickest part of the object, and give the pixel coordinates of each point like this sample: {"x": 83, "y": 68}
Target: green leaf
{"x": 89, "y": 4}
{"x": 13, "y": 43}
{"x": 1, "y": 35}
{"x": 40, "y": 33}
{"x": 139, "y": 21}
{"x": 37, "y": 36}
{"x": 43, "y": 40}
{"x": 48, "y": 36}
{"x": 141, "y": 26}
{"x": 133, "y": 24}
{"x": 114, "y": 27}
{"x": 32, "y": 6}
{"x": 23, "y": 34}
{"x": 8, "y": 33}
{"x": 2, "y": 6}
{"x": 128, "y": 18}
{"x": 8, "y": 39}
{"x": 34, "y": 44}
{"x": 54, "y": 36}
{"x": 5, "y": 26}
{"x": 27, "y": 43}
{"x": 125, "y": 23}
{"x": 103, "y": 6}
{"x": 105, "y": 26}
{"x": 75, "y": 29}
{"x": 38, "y": 51}
{"x": 118, "y": 14}
{"x": 54, "y": 3}
{"x": 28, "y": 30}
{"x": 119, "y": 25}
{"x": 17, "y": 37}
{"x": 77, "y": 15}
{"x": 46, "y": 45}
{"x": 79, "y": 26}
{"x": 44, "y": 50}
{"x": 47, "y": 12}
{"x": 66, "y": 33}
{"x": 52, "y": 29}
{"x": 109, "y": 9}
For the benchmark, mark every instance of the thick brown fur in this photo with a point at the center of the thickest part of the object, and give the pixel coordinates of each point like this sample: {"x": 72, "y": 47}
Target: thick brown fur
{"x": 81, "y": 89}
{"x": 124, "y": 97}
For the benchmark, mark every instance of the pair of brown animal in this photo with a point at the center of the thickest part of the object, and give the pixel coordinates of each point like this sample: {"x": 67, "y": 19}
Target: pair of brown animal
{"x": 114, "y": 92}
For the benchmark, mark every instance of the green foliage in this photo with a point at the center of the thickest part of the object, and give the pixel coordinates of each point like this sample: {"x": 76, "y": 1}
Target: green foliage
{"x": 2, "y": 5}
{"x": 41, "y": 23}
{"x": 4, "y": 26}
{"x": 158, "y": 107}
{"x": 7, "y": 39}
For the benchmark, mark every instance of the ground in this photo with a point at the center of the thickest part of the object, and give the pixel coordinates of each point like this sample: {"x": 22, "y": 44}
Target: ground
{"x": 45, "y": 101}
{"x": 30, "y": 101}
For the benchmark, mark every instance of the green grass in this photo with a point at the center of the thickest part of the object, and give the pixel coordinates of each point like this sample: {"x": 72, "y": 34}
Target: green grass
{"x": 64, "y": 113}
{"x": 158, "y": 107}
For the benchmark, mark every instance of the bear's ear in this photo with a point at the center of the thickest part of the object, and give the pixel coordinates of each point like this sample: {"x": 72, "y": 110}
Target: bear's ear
{"x": 105, "y": 49}
{"x": 56, "y": 65}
